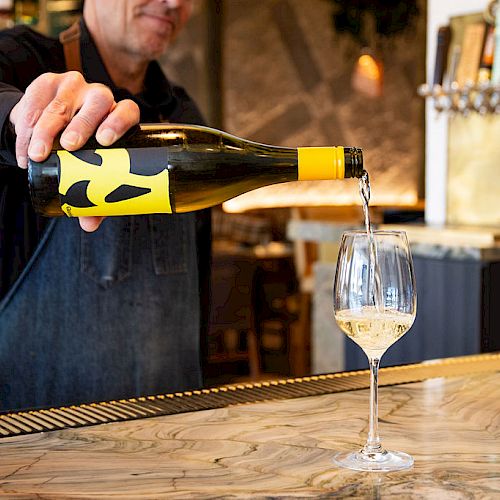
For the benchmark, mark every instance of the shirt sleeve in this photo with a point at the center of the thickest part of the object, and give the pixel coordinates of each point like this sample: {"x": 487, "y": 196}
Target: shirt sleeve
{"x": 9, "y": 97}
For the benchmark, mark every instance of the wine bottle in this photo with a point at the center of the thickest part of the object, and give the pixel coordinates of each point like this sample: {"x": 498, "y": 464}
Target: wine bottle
{"x": 165, "y": 168}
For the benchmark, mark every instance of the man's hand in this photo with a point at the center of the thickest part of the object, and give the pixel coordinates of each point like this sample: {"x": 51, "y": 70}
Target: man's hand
{"x": 66, "y": 102}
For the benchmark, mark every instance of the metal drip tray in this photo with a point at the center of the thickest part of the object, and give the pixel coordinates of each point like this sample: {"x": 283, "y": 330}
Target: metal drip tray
{"x": 50, "y": 419}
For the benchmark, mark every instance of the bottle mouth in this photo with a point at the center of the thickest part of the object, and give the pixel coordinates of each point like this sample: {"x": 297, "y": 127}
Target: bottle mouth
{"x": 31, "y": 186}
{"x": 43, "y": 181}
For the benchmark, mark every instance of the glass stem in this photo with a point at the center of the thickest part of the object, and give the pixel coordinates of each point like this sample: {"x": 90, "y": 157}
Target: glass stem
{"x": 373, "y": 443}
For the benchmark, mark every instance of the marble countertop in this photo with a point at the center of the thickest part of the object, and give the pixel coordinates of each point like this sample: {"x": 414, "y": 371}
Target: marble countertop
{"x": 471, "y": 243}
{"x": 276, "y": 449}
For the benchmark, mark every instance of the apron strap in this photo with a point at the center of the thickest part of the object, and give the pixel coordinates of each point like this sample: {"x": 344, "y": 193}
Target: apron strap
{"x": 70, "y": 39}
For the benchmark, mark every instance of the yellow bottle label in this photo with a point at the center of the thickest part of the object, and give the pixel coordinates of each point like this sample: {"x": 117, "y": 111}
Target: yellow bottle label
{"x": 107, "y": 182}
{"x": 321, "y": 163}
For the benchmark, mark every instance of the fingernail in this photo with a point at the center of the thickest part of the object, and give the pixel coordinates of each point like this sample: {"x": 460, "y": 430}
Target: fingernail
{"x": 37, "y": 150}
{"x": 72, "y": 139}
{"x": 107, "y": 137}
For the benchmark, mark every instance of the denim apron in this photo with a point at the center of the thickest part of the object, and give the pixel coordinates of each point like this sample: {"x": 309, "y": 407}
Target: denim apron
{"x": 104, "y": 315}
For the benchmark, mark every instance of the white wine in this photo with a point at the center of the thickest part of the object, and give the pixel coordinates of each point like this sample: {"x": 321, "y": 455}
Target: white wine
{"x": 374, "y": 278}
{"x": 374, "y": 331}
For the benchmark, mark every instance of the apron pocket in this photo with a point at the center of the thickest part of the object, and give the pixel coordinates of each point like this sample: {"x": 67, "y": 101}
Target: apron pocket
{"x": 106, "y": 254}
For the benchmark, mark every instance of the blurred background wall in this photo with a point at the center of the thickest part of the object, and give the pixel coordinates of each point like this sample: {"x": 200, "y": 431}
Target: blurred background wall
{"x": 282, "y": 75}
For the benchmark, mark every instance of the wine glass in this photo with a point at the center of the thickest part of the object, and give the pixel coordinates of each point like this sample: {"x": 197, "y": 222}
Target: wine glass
{"x": 375, "y": 304}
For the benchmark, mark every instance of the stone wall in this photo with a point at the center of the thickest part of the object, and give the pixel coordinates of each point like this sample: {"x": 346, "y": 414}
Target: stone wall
{"x": 286, "y": 77}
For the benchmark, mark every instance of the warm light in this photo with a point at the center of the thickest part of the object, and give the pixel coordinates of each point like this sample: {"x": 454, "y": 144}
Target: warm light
{"x": 369, "y": 67}
{"x": 320, "y": 194}
{"x": 367, "y": 77}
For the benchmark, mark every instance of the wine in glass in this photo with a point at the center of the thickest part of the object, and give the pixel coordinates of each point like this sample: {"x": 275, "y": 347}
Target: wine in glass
{"x": 375, "y": 305}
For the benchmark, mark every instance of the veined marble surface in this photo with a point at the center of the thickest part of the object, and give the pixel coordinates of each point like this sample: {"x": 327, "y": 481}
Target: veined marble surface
{"x": 278, "y": 449}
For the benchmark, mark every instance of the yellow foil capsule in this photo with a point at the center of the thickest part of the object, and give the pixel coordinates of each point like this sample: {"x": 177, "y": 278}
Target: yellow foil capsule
{"x": 321, "y": 163}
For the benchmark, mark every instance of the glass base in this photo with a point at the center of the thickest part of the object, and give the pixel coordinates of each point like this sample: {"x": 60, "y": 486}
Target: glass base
{"x": 381, "y": 461}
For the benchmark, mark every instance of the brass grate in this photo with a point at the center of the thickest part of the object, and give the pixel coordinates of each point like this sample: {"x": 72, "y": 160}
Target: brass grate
{"x": 28, "y": 422}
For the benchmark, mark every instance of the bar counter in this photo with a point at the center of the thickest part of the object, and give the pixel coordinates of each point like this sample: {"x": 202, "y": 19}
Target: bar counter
{"x": 446, "y": 413}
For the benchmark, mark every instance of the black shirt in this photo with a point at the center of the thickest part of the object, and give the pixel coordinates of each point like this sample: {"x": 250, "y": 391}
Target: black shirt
{"x": 25, "y": 55}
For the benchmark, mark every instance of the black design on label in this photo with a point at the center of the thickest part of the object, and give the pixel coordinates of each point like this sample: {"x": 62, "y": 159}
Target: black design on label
{"x": 126, "y": 192}
{"x": 88, "y": 156}
{"x": 148, "y": 161}
{"x": 76, "y": 195}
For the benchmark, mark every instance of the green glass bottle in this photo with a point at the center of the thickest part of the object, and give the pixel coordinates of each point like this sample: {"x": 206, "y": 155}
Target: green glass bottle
{"x": 172, "y": 168}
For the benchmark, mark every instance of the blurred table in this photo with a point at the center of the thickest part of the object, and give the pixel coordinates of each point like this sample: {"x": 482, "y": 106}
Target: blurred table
{"x": 457, "y": 272}
{"x": 251, "y": 319}
{"x": 448, "y": 419}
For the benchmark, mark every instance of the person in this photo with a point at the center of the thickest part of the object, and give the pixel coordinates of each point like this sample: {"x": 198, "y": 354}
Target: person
{"x": 103, "y": 309}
